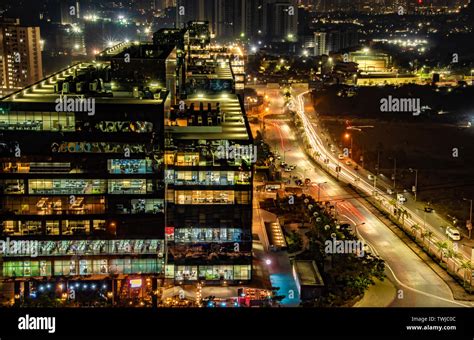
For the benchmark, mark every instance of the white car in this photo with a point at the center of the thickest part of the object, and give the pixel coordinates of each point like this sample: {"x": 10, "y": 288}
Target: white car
{"x": 453, "y": 233}
{"x": 370, "y": 177}
{"x": 389, "y": 191}
{"x": 341, "y": 156}
{"x": 401, "y": 198}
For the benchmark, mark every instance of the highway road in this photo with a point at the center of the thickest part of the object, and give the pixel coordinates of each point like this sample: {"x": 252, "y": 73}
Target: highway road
{"x": 415, "y": 281}
{"x": 348, "y": 174}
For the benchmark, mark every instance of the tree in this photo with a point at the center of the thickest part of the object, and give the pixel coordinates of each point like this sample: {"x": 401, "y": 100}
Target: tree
{"x": 428, "y": 234}
{"x": 467, "y": 268}
{"x": 404, "y": 214}
{"x": 414, "y": 228}
{"x": 441, "y": 246}
{"x": 451, "y": 254}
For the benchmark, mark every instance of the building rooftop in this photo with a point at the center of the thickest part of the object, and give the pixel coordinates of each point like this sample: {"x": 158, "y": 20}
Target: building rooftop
{"x": 136, "y": 50}
{"x": 233, "y": 125}
{"x": 49, "y": 89}
{"x": 308, "y": 273}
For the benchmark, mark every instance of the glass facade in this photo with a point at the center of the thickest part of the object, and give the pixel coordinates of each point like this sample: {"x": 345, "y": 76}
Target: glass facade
{"x": 37, "y": 121}
{"x": 95, "y": 247}
{"x": 213, "y": 273}
{"x": 81, "y": 267}
{"x": 182, "y": 177}
{"x": 207, "y": 235}
{"x": 130, "y": 166}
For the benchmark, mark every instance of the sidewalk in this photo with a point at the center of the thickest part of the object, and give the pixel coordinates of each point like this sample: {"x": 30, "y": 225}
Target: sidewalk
{"x": 381, "y": 294}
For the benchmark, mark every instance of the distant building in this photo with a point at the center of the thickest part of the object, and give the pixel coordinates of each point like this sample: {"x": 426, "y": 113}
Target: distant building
{"x": 371, "y": 62}
{"x": 334, "y": 39}
{"x": 20, "y": 56}
{"x": 320, "y": 46}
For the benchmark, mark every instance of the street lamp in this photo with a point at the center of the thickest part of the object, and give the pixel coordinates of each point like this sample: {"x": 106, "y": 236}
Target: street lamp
{"x": 415, "y": 188}
{"x": 469, "y": 225}
{"x": 424, "y": 217}
{"x": 319, "y": 190}
{"x": 347, "y": 136}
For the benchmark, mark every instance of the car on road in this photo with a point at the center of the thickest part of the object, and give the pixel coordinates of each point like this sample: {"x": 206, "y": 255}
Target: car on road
{"x": 292, "y": 167}
{"x": 401, "y": 198}
{"x": 429, "y": 209}
{"x": 341, "y": 156}
{"x": 356, "y": 167}
{"x": 283, "y": 164}
{"x": 307, "y": 181}
{"x": 288, "y": 169}
{"x": 453, "y": 233}
{"x": 370, "y": 177}
{"x": 389, "y": 191}
{"x": 348, "y": 163}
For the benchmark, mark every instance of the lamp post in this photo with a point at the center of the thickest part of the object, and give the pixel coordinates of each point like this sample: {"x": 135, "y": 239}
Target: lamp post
{"x": 394, "y": 173}
{"x": 375, "y": 184}
{"x": 416, "y": 181}
{"x": 319, "y": 190}
{"x": 469, "y": 226}
{"x": 347, "y": 136}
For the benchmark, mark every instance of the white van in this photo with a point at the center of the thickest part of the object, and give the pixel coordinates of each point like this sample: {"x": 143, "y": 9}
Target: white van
{"x": 453, "y": 233}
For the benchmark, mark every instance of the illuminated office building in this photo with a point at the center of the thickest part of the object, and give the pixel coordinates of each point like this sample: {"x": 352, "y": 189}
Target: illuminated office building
{"x": 81, "y": 173}
{"x": 143, "y": 181}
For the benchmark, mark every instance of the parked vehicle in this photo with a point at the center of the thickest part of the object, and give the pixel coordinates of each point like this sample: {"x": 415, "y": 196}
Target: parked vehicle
{"x": 453, "y": 233}
{"x": 401, "y": 198}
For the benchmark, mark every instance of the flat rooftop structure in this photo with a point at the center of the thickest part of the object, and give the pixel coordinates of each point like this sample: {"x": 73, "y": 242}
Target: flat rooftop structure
{"x": 213, "y": 70}
{"x": 275, "y": 235}
{"x": 308, "y": 273}
{"x": 233, "y": 126}
{"x": 136, "y": 50}
{"x": 44, "y": 90}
